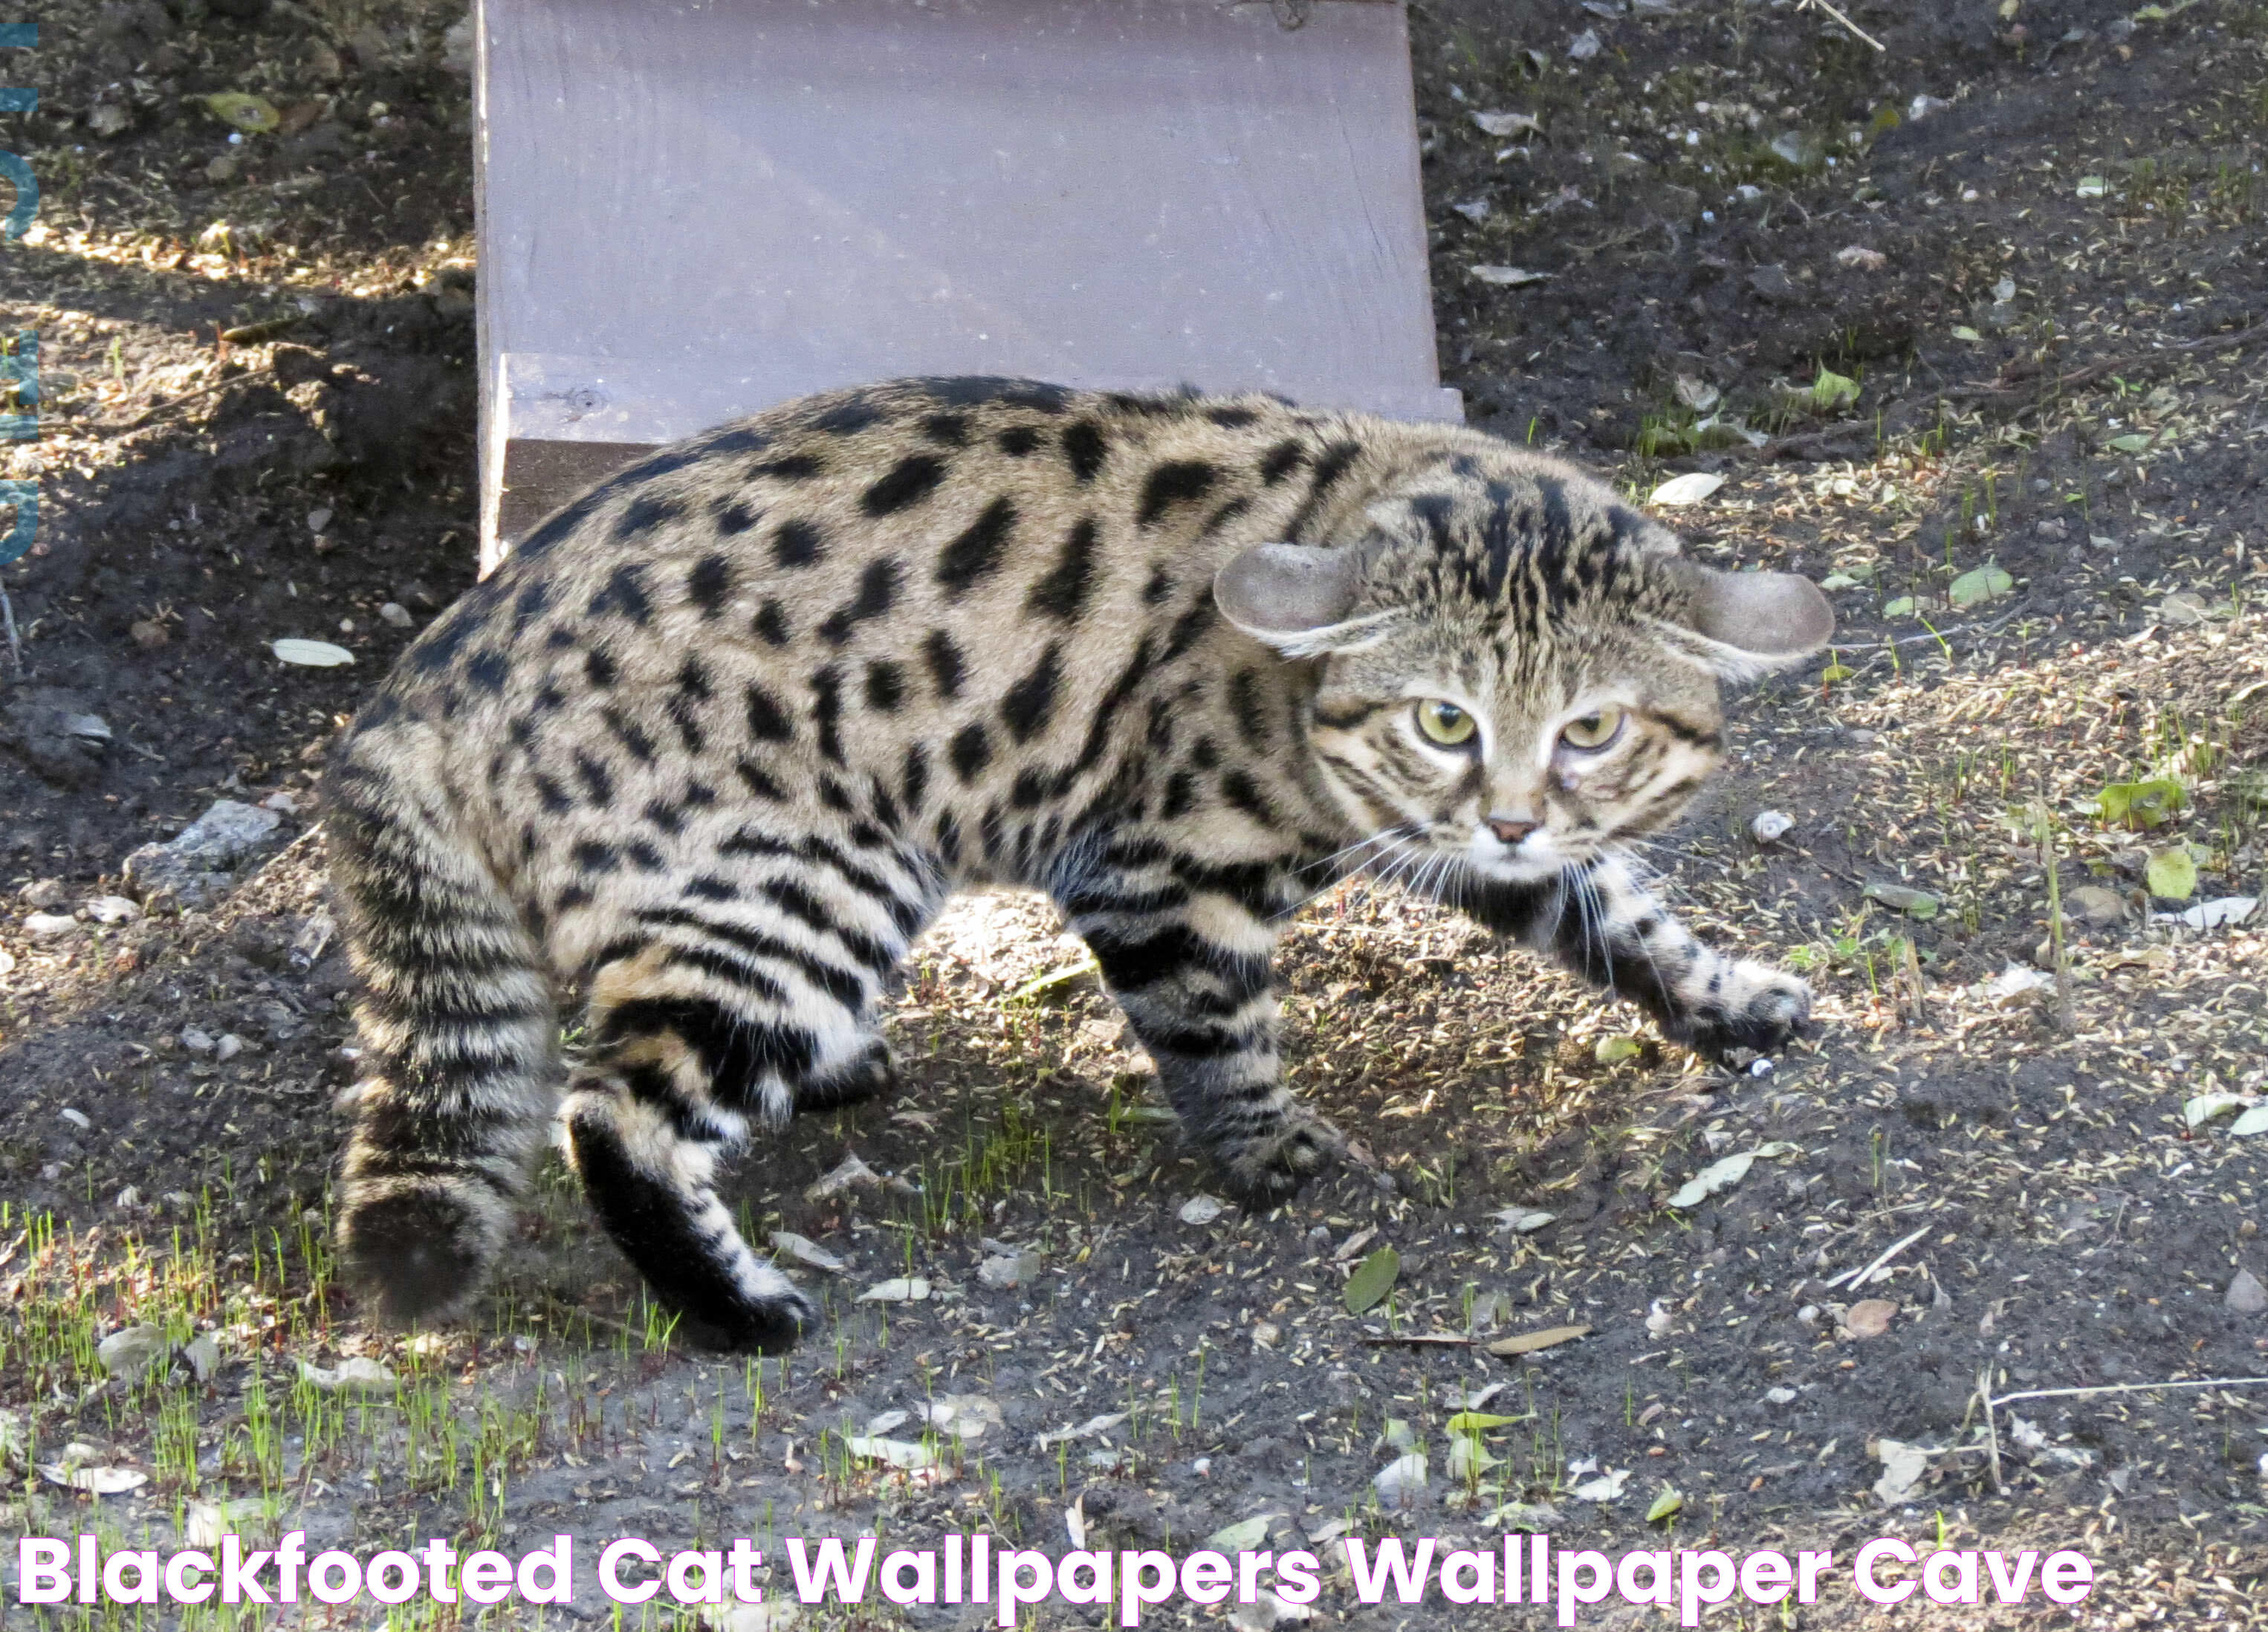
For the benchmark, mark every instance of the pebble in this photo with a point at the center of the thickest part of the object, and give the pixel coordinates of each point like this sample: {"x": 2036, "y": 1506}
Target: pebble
{"x": 1769, "y": 826}
{"x": 229, "y": 1047}
{"x": 42, "y": 926}
{"x": 112, "y": 909}
{"x": 2246, "y": 1295}
{"x": 395, "y": 613}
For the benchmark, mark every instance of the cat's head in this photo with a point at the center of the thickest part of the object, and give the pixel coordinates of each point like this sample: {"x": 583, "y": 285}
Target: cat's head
{"x": 1515, "y": 669}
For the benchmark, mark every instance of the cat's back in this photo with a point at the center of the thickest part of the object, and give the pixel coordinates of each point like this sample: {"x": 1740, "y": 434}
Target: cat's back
{"x": 921, "y": 544}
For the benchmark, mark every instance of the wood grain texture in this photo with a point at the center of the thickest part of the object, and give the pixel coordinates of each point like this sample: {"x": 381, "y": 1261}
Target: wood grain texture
{"x": 703, "y": 208}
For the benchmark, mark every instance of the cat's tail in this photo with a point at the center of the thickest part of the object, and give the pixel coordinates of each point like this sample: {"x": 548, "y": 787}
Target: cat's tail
{"x": 459, "y": 1025}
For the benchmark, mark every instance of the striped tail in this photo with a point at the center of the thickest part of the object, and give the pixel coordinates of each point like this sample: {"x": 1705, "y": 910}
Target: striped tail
{"x": 460, "y": 1024}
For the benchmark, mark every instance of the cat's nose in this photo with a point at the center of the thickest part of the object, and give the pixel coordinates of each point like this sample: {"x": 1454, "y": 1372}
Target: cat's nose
{"x": 1511, "y": 830}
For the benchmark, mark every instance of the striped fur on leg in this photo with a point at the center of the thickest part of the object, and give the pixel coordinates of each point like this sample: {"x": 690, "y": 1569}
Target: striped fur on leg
{"x": 459, "y": 1022}
{"x": 1184, "y": 949}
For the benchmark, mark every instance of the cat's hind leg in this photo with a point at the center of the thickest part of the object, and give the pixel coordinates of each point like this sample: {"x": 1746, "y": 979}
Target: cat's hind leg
{"x": 463, "y": 1035}
{"x": 710, "y": 1021}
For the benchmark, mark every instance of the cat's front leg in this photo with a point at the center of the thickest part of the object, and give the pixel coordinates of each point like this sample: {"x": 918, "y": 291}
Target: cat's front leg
{"x": 1189, "y": 963}
{"x": 1602, "y": 920}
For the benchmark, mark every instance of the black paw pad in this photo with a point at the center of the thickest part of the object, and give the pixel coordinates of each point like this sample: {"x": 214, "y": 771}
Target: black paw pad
{"x": 420, "y": 1252}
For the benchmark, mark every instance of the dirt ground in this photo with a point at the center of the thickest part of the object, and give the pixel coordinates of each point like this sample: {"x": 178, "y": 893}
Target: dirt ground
{"x": 1974, "y": 329}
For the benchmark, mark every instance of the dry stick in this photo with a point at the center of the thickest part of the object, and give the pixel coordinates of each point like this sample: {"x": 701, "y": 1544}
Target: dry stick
{"x": 1805, "y": 6}
{"x": 1993, "y": 1434}
{"x": 171, "y": 403}
{"x": 1867, "y": 1274}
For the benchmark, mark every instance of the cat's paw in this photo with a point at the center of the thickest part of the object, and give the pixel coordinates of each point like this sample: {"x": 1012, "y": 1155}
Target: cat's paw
{"x": 1756, "y": 1009}
{"x": 868, "y": 1075}
{"x": 769, "y": 1324}
{"x": 1266, "y": 1168}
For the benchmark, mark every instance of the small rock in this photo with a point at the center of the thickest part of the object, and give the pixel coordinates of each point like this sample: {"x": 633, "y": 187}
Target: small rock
{"x": 1584, "y": 46}
{"x": 45, "y": 893}
{"x": 395, "y": 613}
{"x": 1859, "y": 258}
{"x": 197, "y": 1042}
{"x": 1772, "y": 283}
{"x": 2246, "y": 1295}
{"x": 228, "y": 1046}
{"x": 57, "y": 736}
{"x": 185, "y": 871}
{"x": 281, "y": 804}
{"x": 112, "y": 909}
{"x": 1200, "y": 1209}
{"x": 42, "y": 926}
{"x": 1770, "y": 825}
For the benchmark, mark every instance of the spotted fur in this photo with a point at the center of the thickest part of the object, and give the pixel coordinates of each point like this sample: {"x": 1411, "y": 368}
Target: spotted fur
{"x": 707, "y": 751}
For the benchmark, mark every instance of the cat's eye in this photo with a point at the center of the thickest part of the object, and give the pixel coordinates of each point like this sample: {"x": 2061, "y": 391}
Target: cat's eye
{"x": 1445, "y": 723}
{"x": 1593, "y": 731}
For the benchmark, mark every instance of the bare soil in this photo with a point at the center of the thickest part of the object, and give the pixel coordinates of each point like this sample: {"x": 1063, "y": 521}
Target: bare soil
{"x": 2020, "y": 327}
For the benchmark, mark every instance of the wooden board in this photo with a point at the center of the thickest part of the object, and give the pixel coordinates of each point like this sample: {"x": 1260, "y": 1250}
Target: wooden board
{"x": 694, "y": 209}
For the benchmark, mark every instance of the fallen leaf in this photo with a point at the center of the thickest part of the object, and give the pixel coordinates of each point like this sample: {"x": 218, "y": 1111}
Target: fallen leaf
{"x": 1200, "y": 1209}
{"x": 901, "y": 1453}
{"x": 1087, "y": 1429}
{"x": 1898, "y": 606}
{"x": 1718, "y": 1175}
{"x": 1522, "y": 1220}
{"x": 2213, "y": 914}
{"x": 1978, "y": 585}
{"x": 209, "y": 1521}
{"x": 849, "y": 1173}
{"x": 1608, "y": 1487}
{"x": 1904, "y": 1467}
{"x": 2134, "y": 443}
{"x": 1689, "y": 488}
{"x": 1508, "y": 124}
{"x": 312, "y": 654}
{"x": 1373, "y": 1279}
{"x": 1242, "y": 1537}
{"x": 354, "y": 1376}
{"x": 2253, "y": 1121}
{"x": 1914, "y": 903}
{"x": 807, "y": 1253}
{"x": 2092, "y": 186}
{"x": 898, "y": 1290}
{"x": 1668, "y": 1504}
{"x": 1534, "y": 1517}
{"x": 255, "y": 116}
{"x": 1402, "y": 1478}
{"x": 1481, "y": 1422}
{"x": 1870, "y": 1317}
{"x": 129, "y": 1354}
{"x": 1003, "y": 1271}
{"x": 964, "y": 1417}
{"x": 94, "y": 1481}
{"x": 1529, "y": 1343}
{"x": 1614, "y": 1050}
{"x": 1509, "y": 277}
{"x": 2204, "y": 1107}
{"x": 2172, "y": 874}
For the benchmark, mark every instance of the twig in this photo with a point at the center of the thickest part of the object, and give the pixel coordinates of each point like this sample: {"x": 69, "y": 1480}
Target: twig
{"x": 267, "y": 328}
{"x": 171, "y": 403}
{"x": 2133, "y": 362}
{"x": 1805, "y": 6}
{"x": 1991, "y": 1402}
{"x": 1867, "y": 1274}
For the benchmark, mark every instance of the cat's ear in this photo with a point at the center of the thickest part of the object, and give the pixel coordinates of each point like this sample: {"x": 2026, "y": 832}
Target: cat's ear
{"x": 1740, "y": 624}
{"x": 1299, "y": 599}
